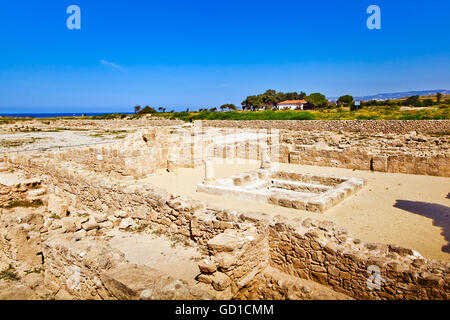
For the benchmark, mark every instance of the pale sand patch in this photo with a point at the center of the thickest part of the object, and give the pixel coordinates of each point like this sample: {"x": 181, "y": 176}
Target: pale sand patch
{"x": 421, "y": 220}
{"x": 179, "y": 262}
{"x": 46, "y": 140}
{"x": 11, "y": 178}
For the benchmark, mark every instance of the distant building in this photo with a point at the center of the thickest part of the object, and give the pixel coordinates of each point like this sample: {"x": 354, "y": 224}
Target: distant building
{"x": 291, "y": 105}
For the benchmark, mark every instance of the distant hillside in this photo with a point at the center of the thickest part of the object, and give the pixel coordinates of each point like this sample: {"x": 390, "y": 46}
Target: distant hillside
{"x": 398, "y": 95}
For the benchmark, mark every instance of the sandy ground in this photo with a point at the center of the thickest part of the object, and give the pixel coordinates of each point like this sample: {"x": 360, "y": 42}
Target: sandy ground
{"x": 46, "y": 140}
{"x": 11, "y": 178}
{"x": 158, "y": 252}
{"x": 409, "y": 210}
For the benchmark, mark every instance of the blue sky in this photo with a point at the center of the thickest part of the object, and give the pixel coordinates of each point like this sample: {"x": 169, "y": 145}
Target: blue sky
{"x": 179, "y": 54}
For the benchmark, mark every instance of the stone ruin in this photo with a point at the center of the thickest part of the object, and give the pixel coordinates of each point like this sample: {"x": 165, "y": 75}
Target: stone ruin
{"x": 284, "y": 188}
{"x": 89, "y": 192}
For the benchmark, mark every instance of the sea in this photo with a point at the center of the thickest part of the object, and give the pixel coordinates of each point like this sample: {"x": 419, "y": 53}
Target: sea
{"x": 56, "y": 115}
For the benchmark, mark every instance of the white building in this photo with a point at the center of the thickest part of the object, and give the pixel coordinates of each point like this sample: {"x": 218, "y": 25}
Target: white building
{"x": 291, "y": 105}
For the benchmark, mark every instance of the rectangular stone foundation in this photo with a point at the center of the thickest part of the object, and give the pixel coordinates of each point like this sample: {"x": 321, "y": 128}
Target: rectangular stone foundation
{"x": 316, "y": 193}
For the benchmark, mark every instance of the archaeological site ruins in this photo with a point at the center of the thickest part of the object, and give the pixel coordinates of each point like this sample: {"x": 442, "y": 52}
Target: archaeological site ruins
{"x": 162, "y": 209}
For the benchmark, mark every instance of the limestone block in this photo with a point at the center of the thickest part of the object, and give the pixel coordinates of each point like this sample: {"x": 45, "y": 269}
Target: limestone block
{"x": 125, "y": 223}
{"x": 57, "y": 205}
{"x": 36, "y": 193}
{"x": 225, "y": 260}
{"x": 91, "y": 224}
{"x": 220, "y": 281}
{"x": 106, "y": 225}
{"x": 79, "y": 235}
{"x": 223, "y": 243}
{"x": 120, "y": 214}
{"x": 69, "y": 225}
{"x": 101, "y": 217}
{"x": 207, "y": 266}
{"x": 205, "y": 278}
{"x": 115, "y": 221}
{"x": 140, "y": 213}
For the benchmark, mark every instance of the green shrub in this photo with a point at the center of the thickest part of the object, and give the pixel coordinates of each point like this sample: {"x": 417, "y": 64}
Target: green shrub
{"x": 147, "y": 109}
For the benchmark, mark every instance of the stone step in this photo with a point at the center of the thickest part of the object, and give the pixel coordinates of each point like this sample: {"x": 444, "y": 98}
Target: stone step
{"x": 36, "y": 193}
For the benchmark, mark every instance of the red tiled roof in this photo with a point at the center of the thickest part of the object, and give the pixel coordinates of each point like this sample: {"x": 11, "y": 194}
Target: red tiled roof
{"x": 293, "y": 102}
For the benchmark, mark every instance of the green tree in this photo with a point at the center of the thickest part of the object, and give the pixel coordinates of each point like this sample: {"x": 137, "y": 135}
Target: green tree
{"x": 317, "y": 99}
{"x": 302, "y": 95}
{"x": 147, "y": 109}
{"x": 137, "y": 109}
{"x": 427, "y": 102}
{"x": 413, "y": 101}
{"x": 438, "y": 97}
{"x": 252, "y": 103}
{"x": 269, "y": 99}
{"x": 228, "y": 106}
{"x": 345, "y": 100}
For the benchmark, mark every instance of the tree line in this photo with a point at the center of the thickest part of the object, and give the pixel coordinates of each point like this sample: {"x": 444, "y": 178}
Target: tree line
{"x": 270, "y": 99}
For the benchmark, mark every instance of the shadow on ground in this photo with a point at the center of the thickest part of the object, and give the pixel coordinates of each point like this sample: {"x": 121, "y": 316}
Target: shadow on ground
{"x": 439, "y": 213}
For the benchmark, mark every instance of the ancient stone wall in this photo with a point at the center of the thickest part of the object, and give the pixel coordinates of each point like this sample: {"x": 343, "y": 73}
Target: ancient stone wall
{"x": 411, "y": 153}
{"x": 363, "y": 126}
{"x": 243, "y": 245}
{"x": 326, "y": 254}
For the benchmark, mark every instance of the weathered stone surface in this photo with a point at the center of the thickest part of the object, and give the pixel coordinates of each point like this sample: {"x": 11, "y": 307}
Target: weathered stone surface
{"x": 207, "y": 266}
{"x": 220, "y": 281}
{"x": 320, "y": 253}
{"x": 57, "y": 205}
{"x": 120, "y": 214}
{"x": 90, "y": 224}
{"x": 205, "y": 278}
{"x": 223, "y": 242}
{"x": 69, "y": 225}
{"x": 125, "y": 223}
{"x": 101, "y": 217}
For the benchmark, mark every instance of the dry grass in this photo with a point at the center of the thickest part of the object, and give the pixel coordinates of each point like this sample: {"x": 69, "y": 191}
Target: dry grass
{"x": 9, "y": 274}
{"x": 23, "y": 204}
{"x": 17, "y": 142}
{"x": 441, "y": 134}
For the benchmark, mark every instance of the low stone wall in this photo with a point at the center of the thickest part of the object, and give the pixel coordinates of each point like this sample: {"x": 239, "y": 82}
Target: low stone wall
{"x": 354, "y": 158}
{"x": 88, "y": 269}
{"x": 411, "y": 153}
{"x": 327, "y": 254}
{"x": 365, "y": 126}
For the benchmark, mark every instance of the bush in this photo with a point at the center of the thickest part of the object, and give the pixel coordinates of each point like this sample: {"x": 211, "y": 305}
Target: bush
{"x": 110, "y": 116}
{"x": 147, "y": 109}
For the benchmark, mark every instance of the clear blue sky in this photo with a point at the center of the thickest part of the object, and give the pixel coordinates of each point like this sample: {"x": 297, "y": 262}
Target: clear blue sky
{"x": 179, "y": 54}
